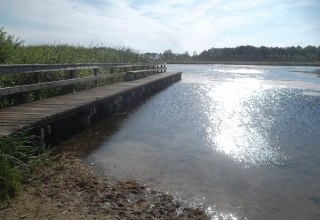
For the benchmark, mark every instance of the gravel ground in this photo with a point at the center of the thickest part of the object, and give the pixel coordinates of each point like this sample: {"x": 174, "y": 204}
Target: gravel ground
{"x": 66, "y": 188}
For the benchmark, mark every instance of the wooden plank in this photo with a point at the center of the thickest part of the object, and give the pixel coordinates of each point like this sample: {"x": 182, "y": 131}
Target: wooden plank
{"x": 54, "y": 84}
{"x": 32, "y": 114}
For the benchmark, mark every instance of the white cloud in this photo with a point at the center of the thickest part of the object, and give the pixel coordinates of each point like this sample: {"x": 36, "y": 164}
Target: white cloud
{"x": 158, "y": 25}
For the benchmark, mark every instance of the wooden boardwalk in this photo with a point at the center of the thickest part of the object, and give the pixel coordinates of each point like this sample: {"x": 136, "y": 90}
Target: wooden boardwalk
{"x": 45, "y": 111}
{"x": 42, "y": 113}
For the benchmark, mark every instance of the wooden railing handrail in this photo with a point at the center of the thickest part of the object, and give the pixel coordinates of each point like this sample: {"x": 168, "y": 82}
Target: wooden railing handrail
{"x": 126, "y": 70}
{"x": 147, "y": 70}
{"x": 53, "y": 84}
{"x": 32, "y": 68}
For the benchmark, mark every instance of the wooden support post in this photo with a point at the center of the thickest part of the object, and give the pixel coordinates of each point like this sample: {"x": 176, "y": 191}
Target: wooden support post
{"x": 112, "y": 72}
{"x": 107, "y": 109}
{"x": 118, "y": 103}
{"x": 139, "y": 94}
{"x": 84, "y": 122}
{"x": 42, "y": 141}
{"x": 134, "y": 97}
{"x": 36, "y": 81}
{"x": 72, "y": 73}
{"x": 126, "y": 101}
{"x": 96, "y": 73}
{"x": 45, "y": 131}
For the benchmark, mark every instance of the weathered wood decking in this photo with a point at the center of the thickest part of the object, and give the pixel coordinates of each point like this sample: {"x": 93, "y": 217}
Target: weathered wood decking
{"x": 43, "y": 112}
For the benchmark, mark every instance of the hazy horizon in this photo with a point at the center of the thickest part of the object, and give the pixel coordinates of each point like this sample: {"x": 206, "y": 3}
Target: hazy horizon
{"x": 181, "y": 26}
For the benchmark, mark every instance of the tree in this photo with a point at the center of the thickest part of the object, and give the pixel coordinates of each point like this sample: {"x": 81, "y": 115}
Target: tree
{"x": 167, "y": 55}
{"x": 8, "y": 45}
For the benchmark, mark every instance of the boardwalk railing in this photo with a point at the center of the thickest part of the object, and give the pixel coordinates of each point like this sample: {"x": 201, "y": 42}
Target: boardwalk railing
{"x": 34, "y": 79}
{"x": 57, "y": 118}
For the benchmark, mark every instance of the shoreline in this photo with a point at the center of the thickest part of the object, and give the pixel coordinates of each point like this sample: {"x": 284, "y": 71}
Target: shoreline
{"x": 262, "y": 63}
{"x": 64, "y": 187}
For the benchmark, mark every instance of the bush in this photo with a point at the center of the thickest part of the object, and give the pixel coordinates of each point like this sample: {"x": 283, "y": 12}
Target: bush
{"x": 8, "y": 46}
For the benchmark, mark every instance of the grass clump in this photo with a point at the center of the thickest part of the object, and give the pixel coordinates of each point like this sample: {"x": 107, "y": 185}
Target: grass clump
{"x": 18, "y": 157}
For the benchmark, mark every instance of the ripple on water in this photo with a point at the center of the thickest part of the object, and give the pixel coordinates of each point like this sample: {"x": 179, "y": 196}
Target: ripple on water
{"x": 246, "y": 140}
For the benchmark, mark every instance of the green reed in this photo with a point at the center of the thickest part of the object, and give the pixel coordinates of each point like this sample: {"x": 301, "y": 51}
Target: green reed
{"x": 19, "y": 155}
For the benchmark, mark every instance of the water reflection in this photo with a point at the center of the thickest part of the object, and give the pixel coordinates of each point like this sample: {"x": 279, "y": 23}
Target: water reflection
{"x": 215, "y": 215}
{"x": 231, "y": 125}
{"x": 228, "y": 136}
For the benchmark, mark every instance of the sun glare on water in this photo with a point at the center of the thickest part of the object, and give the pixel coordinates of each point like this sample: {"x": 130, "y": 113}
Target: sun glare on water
{"x": 232, "y": 128}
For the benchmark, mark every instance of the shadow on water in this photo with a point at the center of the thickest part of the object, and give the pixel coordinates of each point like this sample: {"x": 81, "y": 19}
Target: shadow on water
{"x": 86, "y": 142}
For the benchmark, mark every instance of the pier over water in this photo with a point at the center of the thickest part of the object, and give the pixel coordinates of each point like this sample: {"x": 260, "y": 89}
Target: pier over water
{"x": 87, "y": 93}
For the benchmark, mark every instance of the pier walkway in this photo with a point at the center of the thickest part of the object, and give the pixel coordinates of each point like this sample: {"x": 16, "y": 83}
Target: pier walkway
{"x": 49, "y": 118}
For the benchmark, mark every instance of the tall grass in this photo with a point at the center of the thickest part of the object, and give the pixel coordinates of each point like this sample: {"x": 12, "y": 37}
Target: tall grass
{"x": 58, "y": 54}
{"x": 62, "y": 54}
{"x": 18, "y": 157}
{"x": 12, "y": 51}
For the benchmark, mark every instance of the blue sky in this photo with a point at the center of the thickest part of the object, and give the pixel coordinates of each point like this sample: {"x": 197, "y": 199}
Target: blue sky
{"x": 154, "y": 26}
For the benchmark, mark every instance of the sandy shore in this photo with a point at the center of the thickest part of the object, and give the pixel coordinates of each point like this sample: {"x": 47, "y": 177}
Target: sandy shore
{"x": 66, "y": 188}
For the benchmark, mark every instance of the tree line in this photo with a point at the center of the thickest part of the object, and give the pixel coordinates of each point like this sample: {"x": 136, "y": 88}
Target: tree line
{"x": 12, "y": 50}
{"x": 245, "y": 54}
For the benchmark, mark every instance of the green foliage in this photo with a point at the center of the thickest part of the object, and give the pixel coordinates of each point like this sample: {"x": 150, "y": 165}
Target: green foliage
{"x": 67, "y": 54}
{"x": 246, "y": 54}
{"x": 269, "y": 54}
{"x": 59, "y": 54}
{"x": 8, "y": 46}
{"x": 12, "y": 51}
{"x": 18, "y": 156}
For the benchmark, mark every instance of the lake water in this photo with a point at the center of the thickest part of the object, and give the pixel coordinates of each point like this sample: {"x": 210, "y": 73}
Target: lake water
{"x": 242, "y": 140}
